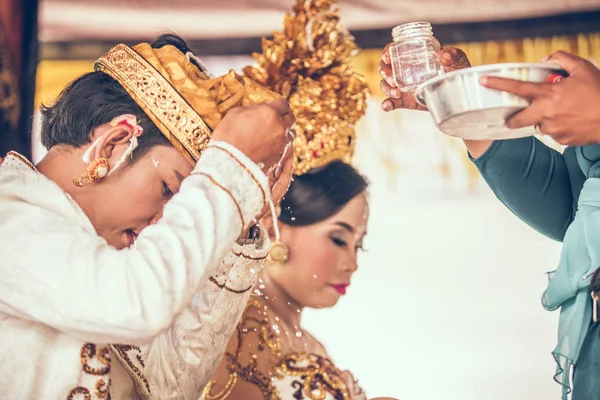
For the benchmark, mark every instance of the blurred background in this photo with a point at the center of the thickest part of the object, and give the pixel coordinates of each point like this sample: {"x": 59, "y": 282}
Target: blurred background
{"x": 446, "y": 303}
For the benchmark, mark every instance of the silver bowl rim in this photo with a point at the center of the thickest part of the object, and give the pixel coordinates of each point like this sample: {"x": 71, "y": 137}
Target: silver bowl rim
{"x": 481, "y": 68}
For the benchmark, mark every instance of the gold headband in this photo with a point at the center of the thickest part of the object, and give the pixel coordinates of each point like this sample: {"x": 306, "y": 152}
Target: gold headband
{"x": 178, "y": 96}
{"x": 176, "y": 119}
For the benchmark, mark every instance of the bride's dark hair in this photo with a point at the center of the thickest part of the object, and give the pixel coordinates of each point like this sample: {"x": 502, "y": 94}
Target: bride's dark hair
{"x": 321, "y": 193}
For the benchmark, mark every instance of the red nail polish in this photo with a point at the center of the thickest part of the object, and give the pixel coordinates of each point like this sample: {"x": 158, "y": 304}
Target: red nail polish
{"x": 555, "y": 78}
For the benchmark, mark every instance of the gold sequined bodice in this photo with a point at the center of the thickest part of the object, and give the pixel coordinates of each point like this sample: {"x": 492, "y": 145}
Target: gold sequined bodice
{"x": 261, "y": 356}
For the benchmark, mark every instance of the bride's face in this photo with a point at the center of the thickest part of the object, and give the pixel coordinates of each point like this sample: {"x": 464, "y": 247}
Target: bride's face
{"x": 323, "y": 256}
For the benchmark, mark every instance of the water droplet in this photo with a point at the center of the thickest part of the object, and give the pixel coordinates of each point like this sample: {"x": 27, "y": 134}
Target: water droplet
{"x": 261, "y": 287}
{"x": 289, "y": 304}
{"x": 277, "y": 319}
{"x": 234, "y": 374}
{"x": 293, "y": 218}
{"x": 266, "y": 297}
{"x": 298, "y": 311}
{"x": 315, "y": 276}
{"x": 254, "y": 356}
{"x": 298, "y": 334}
{"x": 260, "y": 280}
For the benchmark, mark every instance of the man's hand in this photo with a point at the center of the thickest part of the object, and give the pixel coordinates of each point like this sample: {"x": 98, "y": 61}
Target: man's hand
{"x": 259, "y": 131}
{"x": 451, "y": 59}
{"x": 568, "y": 111}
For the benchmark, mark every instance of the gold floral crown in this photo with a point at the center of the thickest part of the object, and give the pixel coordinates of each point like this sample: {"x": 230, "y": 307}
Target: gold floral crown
{"x": 308, "y": 63}
{"x": 179, "y": 95}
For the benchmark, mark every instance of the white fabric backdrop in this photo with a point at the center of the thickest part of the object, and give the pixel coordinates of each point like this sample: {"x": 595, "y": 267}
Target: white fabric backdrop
{"x": 446, "y": 302}
{"x": 68, "y": 20}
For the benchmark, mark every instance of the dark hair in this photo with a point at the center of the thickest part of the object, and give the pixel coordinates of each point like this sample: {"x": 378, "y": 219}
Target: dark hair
{"x": 321, "y": 193}
{"x": 95, "y": 99}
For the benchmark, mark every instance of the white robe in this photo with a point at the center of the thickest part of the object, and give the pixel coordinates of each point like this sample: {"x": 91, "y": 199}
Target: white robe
{"x": 67, "y": 297}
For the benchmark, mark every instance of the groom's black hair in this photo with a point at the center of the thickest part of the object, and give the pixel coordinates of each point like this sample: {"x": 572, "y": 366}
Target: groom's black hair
{"x": 95, "y": 99}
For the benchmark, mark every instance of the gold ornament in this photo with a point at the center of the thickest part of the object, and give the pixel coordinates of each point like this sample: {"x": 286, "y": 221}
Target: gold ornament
{"x": 279, "y": 252}
{"x": 308, "y": 63}
{"x": 95, "y": 172}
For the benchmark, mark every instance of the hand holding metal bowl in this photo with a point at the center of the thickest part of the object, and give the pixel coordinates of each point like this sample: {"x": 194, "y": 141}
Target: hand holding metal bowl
{"x": 568, "y": 111}
{"x": 462, "y": 107}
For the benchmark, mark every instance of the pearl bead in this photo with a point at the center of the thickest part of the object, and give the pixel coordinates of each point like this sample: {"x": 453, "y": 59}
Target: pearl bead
{"x": 101, "y": 172}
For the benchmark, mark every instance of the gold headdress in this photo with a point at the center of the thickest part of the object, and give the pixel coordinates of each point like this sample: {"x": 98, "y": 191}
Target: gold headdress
{"x": 308, "y": 63}
{"x": 180, "y": 98}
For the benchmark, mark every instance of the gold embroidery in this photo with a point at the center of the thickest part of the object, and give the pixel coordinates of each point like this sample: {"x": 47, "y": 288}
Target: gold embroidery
{"x": 223, "y": 394}
{"x": 226, "y": 191}
{"x": 88, "y": 352}
{"x": 22, "y": 159}
{"x": 319, "y": 374}
{"x": 267, "y": 339}
{"x": 100, "y": 355}
{"x": 123, "y": 351}
{"x": 103, "y": 389}
{"x": 224, "y": 286}
{"x": 79, "y": 391}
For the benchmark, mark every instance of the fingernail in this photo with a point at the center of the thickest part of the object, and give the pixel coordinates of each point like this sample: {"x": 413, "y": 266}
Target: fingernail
{"x": 483, "y": 80}
{"x": 386, "y": 106}
{"x": 446, "y": 56}
{"x": 395, "y": 92}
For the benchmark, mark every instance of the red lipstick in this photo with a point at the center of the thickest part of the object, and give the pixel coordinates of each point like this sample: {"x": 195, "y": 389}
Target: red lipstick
{"x": 341, "y": 289}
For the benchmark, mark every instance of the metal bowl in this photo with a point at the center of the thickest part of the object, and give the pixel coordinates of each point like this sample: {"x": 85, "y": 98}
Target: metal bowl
{"x": 461, "y": 107}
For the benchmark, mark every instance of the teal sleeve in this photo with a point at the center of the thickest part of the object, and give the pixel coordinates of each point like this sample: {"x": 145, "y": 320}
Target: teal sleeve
{"x": 538, "y": 184}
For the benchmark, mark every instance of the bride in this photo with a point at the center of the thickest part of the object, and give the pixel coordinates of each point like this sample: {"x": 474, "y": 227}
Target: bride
{"x": 321, "y": 224}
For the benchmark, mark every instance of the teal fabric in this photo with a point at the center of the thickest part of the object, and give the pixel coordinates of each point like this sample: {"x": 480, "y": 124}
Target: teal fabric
{"x": 568, "y": 288}
{"x": 558, "y": 195}
{"x": 586, "y": 379}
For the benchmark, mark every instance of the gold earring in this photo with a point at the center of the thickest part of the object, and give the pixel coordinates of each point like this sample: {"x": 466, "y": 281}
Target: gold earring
{"x": 95, "y": 171}
{"x": 279, "y": 252}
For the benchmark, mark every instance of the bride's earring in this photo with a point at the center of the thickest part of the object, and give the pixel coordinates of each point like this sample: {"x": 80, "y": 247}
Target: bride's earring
{"x": 279, "y": 253}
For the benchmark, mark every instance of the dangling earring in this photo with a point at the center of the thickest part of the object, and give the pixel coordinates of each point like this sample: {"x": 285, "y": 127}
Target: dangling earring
{"x": 95, "y": 171}
{"x": 279, "y": 252}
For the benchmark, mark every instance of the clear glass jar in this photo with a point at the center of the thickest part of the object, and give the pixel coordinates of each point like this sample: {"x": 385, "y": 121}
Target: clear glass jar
{"x": 413, "y": 55}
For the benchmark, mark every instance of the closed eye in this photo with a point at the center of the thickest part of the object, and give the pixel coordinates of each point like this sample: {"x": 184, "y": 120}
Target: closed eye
{"x": 339, "y": 242}
{"x": 167, "y": 192}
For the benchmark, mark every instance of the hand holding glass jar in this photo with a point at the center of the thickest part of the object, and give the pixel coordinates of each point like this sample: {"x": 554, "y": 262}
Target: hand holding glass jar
{"x": 414, "y": 55}
{"x": 433, "y": 58}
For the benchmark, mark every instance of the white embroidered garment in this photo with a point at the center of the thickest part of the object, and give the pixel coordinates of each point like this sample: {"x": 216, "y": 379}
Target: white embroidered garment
{"x": 62, "y": 287}
{"x": 180, "y": 362}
